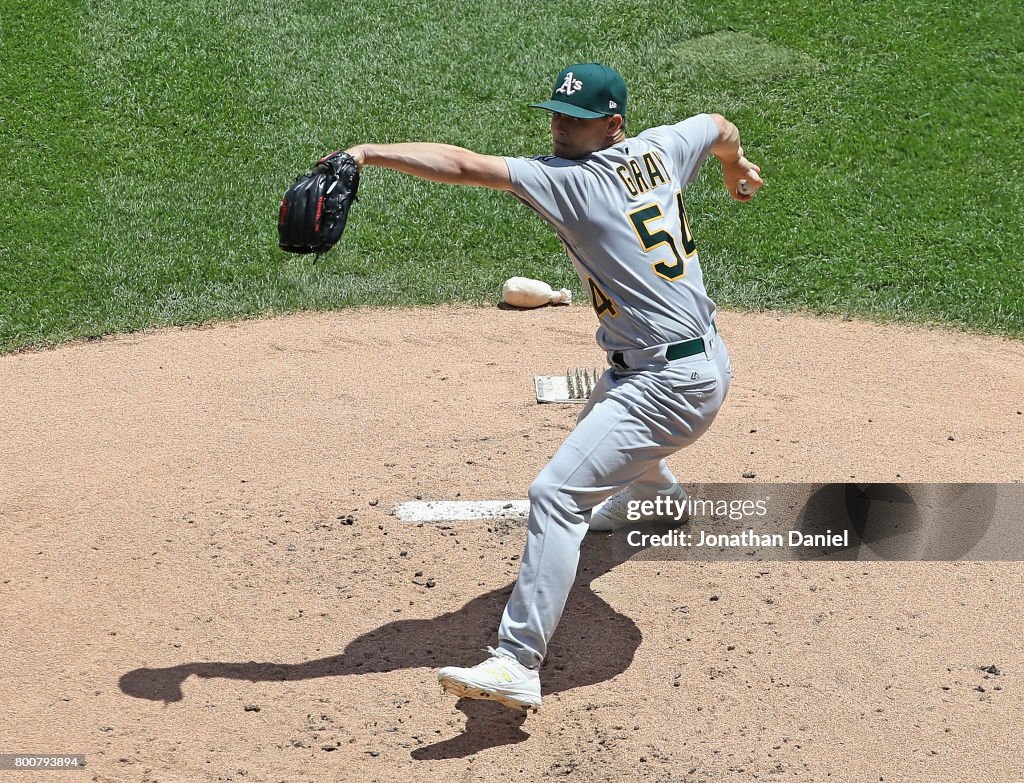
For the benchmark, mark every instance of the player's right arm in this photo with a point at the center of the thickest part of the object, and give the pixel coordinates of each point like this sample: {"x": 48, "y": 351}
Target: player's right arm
{"x": 735, "y": 166}
{"x": 437, "y": 163}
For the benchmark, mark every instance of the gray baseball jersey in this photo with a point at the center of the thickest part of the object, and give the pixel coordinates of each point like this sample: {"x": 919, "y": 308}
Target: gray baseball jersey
{"x": 619, "y": 213}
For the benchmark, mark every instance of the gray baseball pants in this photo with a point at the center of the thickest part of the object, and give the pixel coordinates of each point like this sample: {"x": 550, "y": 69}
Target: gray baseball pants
{"x": 632, "y": 422}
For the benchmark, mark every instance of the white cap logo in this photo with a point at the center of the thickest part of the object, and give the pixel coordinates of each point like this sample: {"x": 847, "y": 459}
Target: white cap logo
{"x": 570, "y": 85}
{"x": 612, "y": 105}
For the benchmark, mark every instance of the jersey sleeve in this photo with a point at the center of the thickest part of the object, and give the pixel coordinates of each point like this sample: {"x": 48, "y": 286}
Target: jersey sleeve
{"x": 689, "y": 143}
{"x": 555, "y": 188}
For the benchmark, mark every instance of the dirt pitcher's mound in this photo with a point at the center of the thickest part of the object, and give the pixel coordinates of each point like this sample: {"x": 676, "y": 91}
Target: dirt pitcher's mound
{"x": 202, "y": 580}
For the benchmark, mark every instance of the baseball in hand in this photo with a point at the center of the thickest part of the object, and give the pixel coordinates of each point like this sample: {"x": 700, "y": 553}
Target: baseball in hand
{"x": 744, "y": 188}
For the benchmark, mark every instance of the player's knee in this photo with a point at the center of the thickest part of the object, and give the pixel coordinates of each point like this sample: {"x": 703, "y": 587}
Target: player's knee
{"x": 542, "y": 492}
{"x": 548, "y": 497}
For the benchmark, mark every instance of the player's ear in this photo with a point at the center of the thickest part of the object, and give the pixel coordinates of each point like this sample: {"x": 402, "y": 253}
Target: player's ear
{"x": 615, "y": 123}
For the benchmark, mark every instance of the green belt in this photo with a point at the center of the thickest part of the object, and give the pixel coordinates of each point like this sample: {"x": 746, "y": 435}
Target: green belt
{"x": 687, "y": 348}
{"x": 675, "y": 350}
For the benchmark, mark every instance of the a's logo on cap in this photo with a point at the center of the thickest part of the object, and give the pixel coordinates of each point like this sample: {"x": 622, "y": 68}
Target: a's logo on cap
{"x": 570, "y": 85}
{"x": 612, "y": 105}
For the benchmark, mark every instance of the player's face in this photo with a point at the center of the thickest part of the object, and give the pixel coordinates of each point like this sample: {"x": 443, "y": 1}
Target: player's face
{"x": 573, "y": 138}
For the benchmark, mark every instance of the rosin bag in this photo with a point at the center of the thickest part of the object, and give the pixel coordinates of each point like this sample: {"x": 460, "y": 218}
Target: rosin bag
{"x": 524, "y": 292}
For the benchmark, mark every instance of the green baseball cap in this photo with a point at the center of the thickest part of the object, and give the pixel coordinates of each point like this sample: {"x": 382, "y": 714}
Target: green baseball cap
{"x": 587, "y": 91}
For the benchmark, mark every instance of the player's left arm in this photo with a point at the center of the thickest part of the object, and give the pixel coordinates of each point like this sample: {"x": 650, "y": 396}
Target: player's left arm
{"x": 437, "y": 163}
{"x": 735, "y": 166}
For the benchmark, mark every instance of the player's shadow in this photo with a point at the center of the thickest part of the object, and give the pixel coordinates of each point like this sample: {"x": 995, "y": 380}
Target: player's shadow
{"x": 593, "y": 643}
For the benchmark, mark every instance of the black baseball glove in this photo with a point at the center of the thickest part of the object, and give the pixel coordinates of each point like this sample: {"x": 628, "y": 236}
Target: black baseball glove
{"x": 314, "y": 209}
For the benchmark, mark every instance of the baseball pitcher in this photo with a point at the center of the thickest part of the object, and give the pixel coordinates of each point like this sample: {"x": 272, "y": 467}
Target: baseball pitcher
{"x": 616, "y": 202}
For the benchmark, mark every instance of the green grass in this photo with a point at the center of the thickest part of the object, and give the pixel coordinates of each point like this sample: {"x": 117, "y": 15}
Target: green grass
{"x": 144, "y": 147}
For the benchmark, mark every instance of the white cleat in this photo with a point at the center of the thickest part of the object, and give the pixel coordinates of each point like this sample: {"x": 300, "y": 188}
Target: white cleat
{"x": 500, "y": 678}
{"x": 613, "y": 513}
